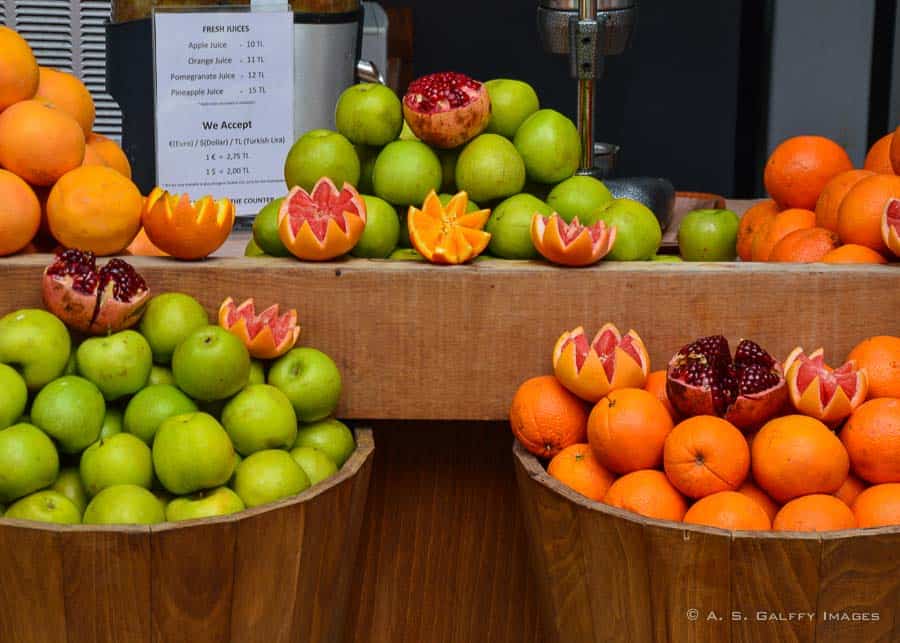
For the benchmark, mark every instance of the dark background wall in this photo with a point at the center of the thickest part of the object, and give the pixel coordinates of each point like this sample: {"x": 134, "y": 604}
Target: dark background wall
{"x": 671, "y": 101}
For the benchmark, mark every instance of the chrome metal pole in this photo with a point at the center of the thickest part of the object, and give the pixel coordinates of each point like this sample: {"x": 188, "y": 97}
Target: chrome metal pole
{"x": 587, "y": 10}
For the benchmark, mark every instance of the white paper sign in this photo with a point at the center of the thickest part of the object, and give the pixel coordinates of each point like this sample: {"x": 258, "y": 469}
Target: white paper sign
{"x": 224, "y": 104}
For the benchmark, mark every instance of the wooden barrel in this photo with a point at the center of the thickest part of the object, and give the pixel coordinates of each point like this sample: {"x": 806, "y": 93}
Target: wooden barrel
{"x": 278, "y": 573}
{"x": 604, "y": 574}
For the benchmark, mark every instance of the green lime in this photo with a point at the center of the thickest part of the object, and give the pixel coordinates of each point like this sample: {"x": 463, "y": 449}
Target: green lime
{"x": 638, "y": 234}
{"x": 379, "y": 238}
{"x": 265, "y": 230}
{"x": 319, "y": 153}
{"x": 550, "y": 146}
{"x": 510, "y": 227}
{"x": 579, "y": 196}
{"x": 512, "y": 101}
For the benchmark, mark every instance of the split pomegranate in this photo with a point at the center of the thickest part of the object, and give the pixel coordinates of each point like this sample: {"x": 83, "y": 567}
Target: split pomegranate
{"x": 571, "y": 244}
{"x": 819, "y": 391}
{"x": 703, "y": 379}
{"x": 610, "y": 361}
{"x": 446, "y": 109}
{"x": 91, "y": 300}
{"x": 322, "y": 224}
{"x": 266, "y": 335}
{"x": 890, "y": 226}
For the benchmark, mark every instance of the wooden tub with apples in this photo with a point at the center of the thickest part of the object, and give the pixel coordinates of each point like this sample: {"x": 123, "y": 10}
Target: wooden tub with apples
{"x": 606, "y": 574}
{"x": 275, "y": 573}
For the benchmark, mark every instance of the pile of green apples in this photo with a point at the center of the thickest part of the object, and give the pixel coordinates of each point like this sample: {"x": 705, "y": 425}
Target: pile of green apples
{"x": 172, "y": 421}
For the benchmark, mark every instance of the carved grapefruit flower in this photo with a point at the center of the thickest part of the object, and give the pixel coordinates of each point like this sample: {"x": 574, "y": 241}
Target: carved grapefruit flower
{"x": 322, "y": 224}
{"x": 186, "y": 229}
{"x": 829, "y": 395}
{"x": 267, "y": 335}
{"x": 890, "y": 226}
{"x": 448, "y": 235}
{"x": 571, "y": 244}
{"x": 608, "y": 362}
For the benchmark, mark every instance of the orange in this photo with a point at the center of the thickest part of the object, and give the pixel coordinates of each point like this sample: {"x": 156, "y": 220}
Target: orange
{"x": 774, "y": 230}
{"x": 872, "y": 439}
{"x": 448, "y": 234}
{"x": 895, "y": 152}
{"x": 829, "y": 202}
{"x": 878, "y": 506}
{"x": 627, "y": 430}
{"x": 759, "y": 496}
{"x": 796, "y": 455}
{"x": 880, "y": 356}
{"x": 188, "y": 229}
{"x": 752, "y": 221}
{"x": 110, "y": 152}
{"x": 728, "y": 510}
{"x": 853, "y": 253}
{"x": 68, "y": 94}
{"x": 546, "y": 418}
{"x": 19, "y": 74}
{"x": 704, "y": 455}
{"x": 816, "y": 512}
{"x": 878, "y": 159}
{"x": 39, "y": 142}
{"x": 92, "y": 157}
{"x": 649, "y": 493}
{"x": 804, "y": 246}
{"x": 656, "y": 384}
{"x": 577, "y": 468}
{"x": 141, "y": 246}
{"x": 851, "y": 488}
{"x": 859, "y": 219}
{"x": 20, "y": 213}
{"x": 800, "y": 168}
{"x": 94, "y": 208}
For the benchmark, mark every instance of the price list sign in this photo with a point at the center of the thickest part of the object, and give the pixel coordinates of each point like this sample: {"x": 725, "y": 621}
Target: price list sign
{"x": 224, "y": 103}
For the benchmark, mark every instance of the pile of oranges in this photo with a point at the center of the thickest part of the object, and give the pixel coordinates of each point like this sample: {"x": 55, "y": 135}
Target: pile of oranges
{"x": 61, "y": 184}
{"x": 822, "y": 209}
{"x": 794, "y": 473}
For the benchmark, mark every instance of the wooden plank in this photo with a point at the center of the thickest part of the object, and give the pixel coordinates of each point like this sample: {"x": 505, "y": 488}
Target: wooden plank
{"x": 459, "y": 330}
{"x": 443, "y": 551}
{"x": 193, "y": 574}
{"x": 690, "y": 583}
{"x": 859, "y": 593}
{"x": 107, "y": 577}
{"x": 774, "y": 587}
{"x": 32, "y": 602}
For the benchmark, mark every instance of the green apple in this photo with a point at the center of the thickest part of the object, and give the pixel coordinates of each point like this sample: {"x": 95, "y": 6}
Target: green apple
{"x": 331, "y": 437}
{"x": 168, "y": 320}
{"x": 45, "y": 506}
{"x": 316, "y": 465}
{"x": 69, "y": 484}
{"x": 260, "y": 417}
{"x": 118, "y": 364}
{"x": 124, "y": 504}
{"x": 211, "y": 364}
{"x": 35, "y": 343}
{"x": 112, "y": 423}
{"x": 151, "y": 406}
{"x": 160, "y": 375}
{"x": 28, "y": 461}
{"x": 121, "y": 459}
{"x": 70, "y": 410}
{"x": 257, "y": 373}
{"x": 14, "y": 398}
{"x": 708, "y": 235}
{"x": 192, "y": 452}
{"x": 267, "y": 476}
{"x": 204, "y": 504}
{"x": 310, "y": 379}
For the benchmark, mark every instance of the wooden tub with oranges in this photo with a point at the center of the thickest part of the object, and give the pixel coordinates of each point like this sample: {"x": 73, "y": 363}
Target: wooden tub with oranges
{"x": 730, "y": 497}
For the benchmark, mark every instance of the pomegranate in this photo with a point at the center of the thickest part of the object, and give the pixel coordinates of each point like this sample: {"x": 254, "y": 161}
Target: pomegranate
{"x": 703, "y": 379}
{"x": 91, "y": 300}
{"x": 446, "y": 109}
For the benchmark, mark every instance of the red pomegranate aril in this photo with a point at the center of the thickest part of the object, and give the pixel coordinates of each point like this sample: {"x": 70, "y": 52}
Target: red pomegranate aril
{"x": 446, "y": 109}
